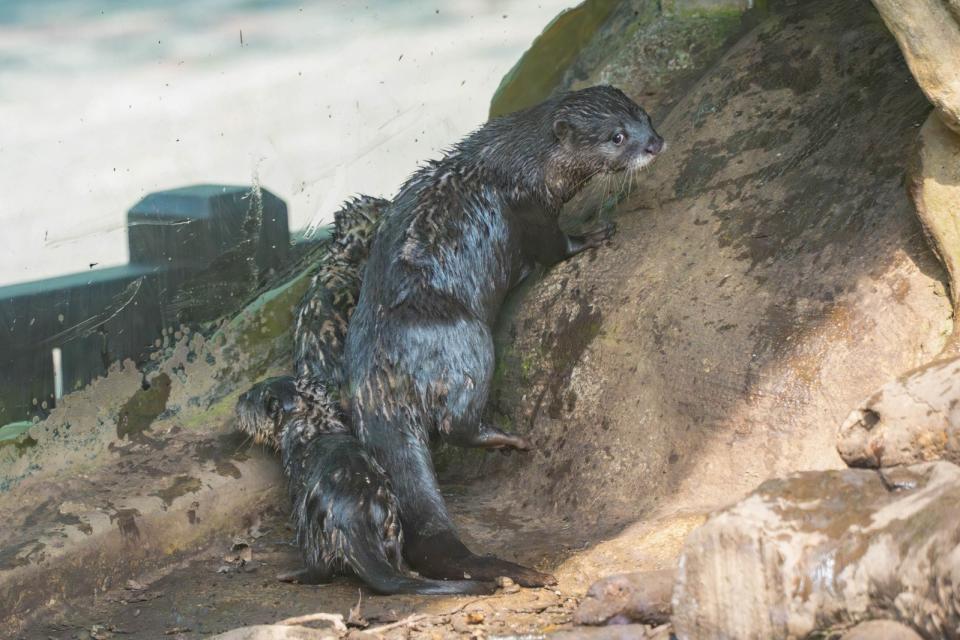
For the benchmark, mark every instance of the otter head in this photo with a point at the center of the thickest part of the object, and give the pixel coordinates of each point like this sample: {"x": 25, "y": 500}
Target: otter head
{"x": 600, "y": 131}
{"x": 262, "y": 410}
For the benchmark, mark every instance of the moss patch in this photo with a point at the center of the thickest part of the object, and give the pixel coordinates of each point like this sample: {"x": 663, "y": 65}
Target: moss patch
{"x": 541, "y": 68}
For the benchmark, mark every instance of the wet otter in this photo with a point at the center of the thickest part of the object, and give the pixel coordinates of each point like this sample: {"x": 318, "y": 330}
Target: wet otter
{"x": 345, "y": 512}
{"x": 462, "y": 231}
{"x": 321, "y": 318}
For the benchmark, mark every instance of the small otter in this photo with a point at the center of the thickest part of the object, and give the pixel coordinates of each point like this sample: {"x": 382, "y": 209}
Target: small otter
{"x": 345, "y": 512}
{"x": 321, "y": 318}
{"x": 461, "y": 232}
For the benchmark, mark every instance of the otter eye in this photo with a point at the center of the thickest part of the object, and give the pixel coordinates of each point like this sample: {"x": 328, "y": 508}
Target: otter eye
{"x": 618, "y": 138}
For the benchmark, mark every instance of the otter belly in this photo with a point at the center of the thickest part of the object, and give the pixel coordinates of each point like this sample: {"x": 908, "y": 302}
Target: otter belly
{"x": 437, "y": 369}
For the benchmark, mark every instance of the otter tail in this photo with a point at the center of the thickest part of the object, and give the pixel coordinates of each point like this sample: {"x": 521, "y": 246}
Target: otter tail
{"x": 346, "y": 515}
{"x": 383, "y": 578}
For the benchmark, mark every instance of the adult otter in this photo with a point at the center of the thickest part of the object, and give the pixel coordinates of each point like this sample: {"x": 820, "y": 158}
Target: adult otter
{"x": 462, "y": 231}
{"x": 345, "y": 512}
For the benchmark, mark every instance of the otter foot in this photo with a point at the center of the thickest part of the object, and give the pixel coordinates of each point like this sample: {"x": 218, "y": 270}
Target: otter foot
{"x": 443, "y": 555}
{"x": 490, "y": 568}
{"x": 592, "y": 240}
{"x": 493, "y": 438}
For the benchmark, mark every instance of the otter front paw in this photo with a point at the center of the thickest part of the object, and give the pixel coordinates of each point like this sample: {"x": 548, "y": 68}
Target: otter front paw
{"x": 576, "y": 244}
{"x": 600, "y": 236}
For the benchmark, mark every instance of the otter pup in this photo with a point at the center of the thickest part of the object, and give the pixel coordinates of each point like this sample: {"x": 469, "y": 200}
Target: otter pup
{"x": 321, "y": 318}
{"x": 345, "y": 512}
{"x": 461, "y": 232}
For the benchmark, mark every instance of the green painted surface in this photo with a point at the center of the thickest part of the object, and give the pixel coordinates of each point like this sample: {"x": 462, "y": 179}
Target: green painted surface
{"x": 14, "y": 432}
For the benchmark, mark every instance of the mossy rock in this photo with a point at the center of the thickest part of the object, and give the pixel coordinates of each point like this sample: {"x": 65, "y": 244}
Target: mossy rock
{"x": 15, "y": 433}
{"x": 541, "y": 68}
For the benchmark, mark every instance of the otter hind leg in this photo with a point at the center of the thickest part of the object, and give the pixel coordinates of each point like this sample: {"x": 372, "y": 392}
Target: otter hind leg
{"x": 489, "y": 437}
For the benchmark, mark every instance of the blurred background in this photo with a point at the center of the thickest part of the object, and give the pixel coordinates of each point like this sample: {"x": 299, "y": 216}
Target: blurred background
{"x": 105, "y": 101}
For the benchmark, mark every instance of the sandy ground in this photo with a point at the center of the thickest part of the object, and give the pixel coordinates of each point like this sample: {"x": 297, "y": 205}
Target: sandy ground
{"x": 104, "y": 102}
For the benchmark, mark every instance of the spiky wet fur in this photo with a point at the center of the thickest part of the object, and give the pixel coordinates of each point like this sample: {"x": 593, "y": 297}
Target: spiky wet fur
{"x": 347, "y": 517}
{"x": 321, "y": 319}
{"x": 345, "y": 513}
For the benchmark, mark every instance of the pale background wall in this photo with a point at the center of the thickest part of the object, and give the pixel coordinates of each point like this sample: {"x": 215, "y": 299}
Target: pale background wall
{"x": 103, "y": 102}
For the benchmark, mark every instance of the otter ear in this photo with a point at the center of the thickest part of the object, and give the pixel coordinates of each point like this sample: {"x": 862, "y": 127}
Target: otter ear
{"x": 562, "y": 129}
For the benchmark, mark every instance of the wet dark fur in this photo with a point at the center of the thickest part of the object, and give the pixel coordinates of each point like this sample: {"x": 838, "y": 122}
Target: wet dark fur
{"x": 345, "y": 512}
{"x": 462, "y": 231}
{"x": 321, "y": 319}
{"x": 342, "y": 505}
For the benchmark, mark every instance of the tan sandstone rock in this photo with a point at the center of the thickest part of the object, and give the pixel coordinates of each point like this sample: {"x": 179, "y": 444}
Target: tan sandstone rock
{"x": 643, "y": 596}
{"x": 615, "y": 632}
{"x": 934, "y": 181}
{"x": 276, "y": 632}
{"x": 915, "y": 418}
{"x": 821, "y": 550}
{"x": 881, "y": 630}
{"x": 928, "y": 32}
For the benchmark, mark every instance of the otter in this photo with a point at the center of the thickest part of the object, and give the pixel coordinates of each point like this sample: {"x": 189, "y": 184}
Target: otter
{"x": 461, "y": 232}
{"x": 320, "y": 323}
{"x": 343, "y": 508}
{"x": 345, "y": 511}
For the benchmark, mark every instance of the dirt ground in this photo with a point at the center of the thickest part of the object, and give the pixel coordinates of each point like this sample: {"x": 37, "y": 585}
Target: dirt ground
{"x": 207, "y": 593}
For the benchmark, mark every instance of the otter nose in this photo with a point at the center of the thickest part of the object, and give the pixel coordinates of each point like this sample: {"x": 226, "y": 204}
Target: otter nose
{"x": 654, "y": 145}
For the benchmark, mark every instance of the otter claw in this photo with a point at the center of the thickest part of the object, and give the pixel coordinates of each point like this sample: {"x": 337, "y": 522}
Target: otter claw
{"x": 600, "y": 236}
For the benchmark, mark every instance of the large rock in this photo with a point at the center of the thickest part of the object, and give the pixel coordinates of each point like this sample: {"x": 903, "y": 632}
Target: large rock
{"x": 881, "y": 630}
{"x": 929, "y": 35}
{"x": 915, "y": 418}
{"x": 934, "y": 183}
{"x": 822, "y": 550}
{"x": 643, "y": 596}
{"x": 276, "y": 632}
{"x": 768, "y": 273}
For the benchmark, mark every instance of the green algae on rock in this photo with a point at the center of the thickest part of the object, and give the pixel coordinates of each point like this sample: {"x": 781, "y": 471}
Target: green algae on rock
{"x": 540, "y": 69}
{"x": 17, "y": 434}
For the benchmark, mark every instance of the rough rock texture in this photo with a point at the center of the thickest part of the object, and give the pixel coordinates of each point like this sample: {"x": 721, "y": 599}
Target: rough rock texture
{"x": 881, "y": 630}
{"x": 915, "y": 418}
{"x": 819, "y": 550}
{"x": 934, "y": 181}
{"x": 616, "y": 632}
{"x": 929, "y": 34}
{"x": 768, "y": 273}
{"x": 276, "y": 632}
{"x": 631, "y": 597}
